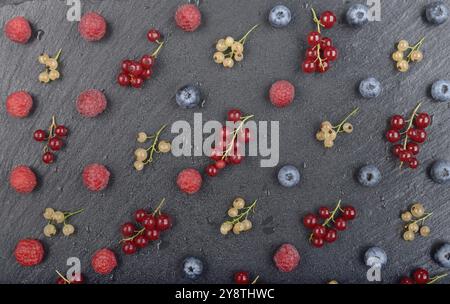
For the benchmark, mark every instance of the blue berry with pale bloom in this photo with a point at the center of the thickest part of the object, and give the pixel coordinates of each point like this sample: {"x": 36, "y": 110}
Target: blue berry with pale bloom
{"x": 357, "y": 15}
{"x": 375, "y": 256}
{"x": 192, "y": 268}
{"x": 289, "y": 176}
{"x": 188, "y": 97}
{"x": 436, "y": 12}
{"x": 280, "y": 16}
{"x": 440, "y": 91}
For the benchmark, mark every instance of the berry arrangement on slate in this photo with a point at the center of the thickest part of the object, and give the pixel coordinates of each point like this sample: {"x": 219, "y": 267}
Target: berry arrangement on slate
{"x": 51, "y": 72}
{"x": 414, "y": 134}
{"x": 230, "y": 50}
{"x": 145, "y": 156}
{"x": 58, "y": 217}
{"x": 321, "y": 51}
{"x": 230, "y": 146}
{"x": 238, "y": 214}
{"x": 328, "y": 133}
{"x": 19, "y": 104}
{"x": 413, "y": 218}
{"x": 148, "y": 228}
{"x": 414, "y": 55}
{"x": 243, "y": 278}
{"x": 327, "y": 231}
{"x": 135, "y": 73}
{"x": 53, "y": 140}
{"x": 421, "y": 276}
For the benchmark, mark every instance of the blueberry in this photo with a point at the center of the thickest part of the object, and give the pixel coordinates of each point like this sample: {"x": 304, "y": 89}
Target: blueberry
{"x": 370, "y": 88}
{"x": 280, "y": 16}
{"x": 440, "y": 91}
{"x": 442, "y": 256}
{"x": 188, "y": 97}
{"x": 192, "y": 268}
{"x": 436, "y": 12}
{"x": 440, "y": 171}
{"x": 375, "y": 256}
{"x": 358, "y": 15}
{"x": 288, "y": 176}
{"x": 369, "y": 176}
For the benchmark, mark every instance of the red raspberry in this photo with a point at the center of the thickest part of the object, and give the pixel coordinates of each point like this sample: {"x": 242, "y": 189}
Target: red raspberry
{"x": 92, "y": 26}
{"x": 282, "y": 93}
{"x": 19, "y": 104}
{"x": 188, "y": 17}
{"x": 189, "y": 181}
{"x": 29, "y": 252}
{"x": 91, "y": 103}
{"x": 22, "y": 179}
{"x": 104, "y": 261}
{"x": 96, "y": 177}
{"x": 286, "y": 258}
{"x": 18, "y": 29}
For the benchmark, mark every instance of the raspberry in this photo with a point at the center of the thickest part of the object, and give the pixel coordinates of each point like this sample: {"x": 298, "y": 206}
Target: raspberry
{"x": 18, "y": 29}
{"x": 29, "y": 252}
{"x": 95, "y": 177}
{"x": 19, "y": 104}
{"x": 189, "y": 181}
{"x": 22, "y": 179}
{"x": 104, "y": 261}
{"x": 91, "y": 103}
{"x": 286, "y": 258}
{"x": 188, "y": 17}
{"x": 92, "y": 26}
{"x": 282, "y": 93}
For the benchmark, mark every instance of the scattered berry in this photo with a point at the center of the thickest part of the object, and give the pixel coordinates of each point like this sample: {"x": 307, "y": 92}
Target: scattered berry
{"x": 357, "y": 15}
{"x": 369, "y": 176}
{"x": 192, "y": 268}
{"x": 91, "y": 103}
{"x": 18, "y": 30}
{"x": 153, "y": 35}
{"x": 370, "y": 88}
{"x": 188, "y": 17}
{"x": 286, "y": 258}
{"x": 440, "y": 171}
{"x": 189, "y": 181}
{"x": 281, "y": 93}
{"x": 19, "y": 104}
{"x": 22, "y": 179}
{"x": 280, "y": 16}
{"x": 288, "y": 176}
{"x": 440, "y": 91}
{"x": 421, "y": 276}
{"x": 437, "y": 12}
{"x": 92, "y": 26}
{"x": 95, "y": 177}
{"x": 188, "y": 97}
{"x": 54, "y": 141}
{"x": 375, "y": 256}
{"x": 242, "y": 278}
{"x": 442, "y": 255}
{"x": 104, "y": 261}
{"x": 29, "y": 252}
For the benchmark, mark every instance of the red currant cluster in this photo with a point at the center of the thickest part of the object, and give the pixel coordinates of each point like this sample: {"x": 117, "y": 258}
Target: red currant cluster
{"x": 243, "y": 278}
{"x": 54, "y": 140}
{"x": 134, "y": 73}
{"x": 321, "y": 52}
{"x": 421, "y": 276}
{"x": 152, "y": 225}
{"x": 62, "y": 280}
{"x": 414, "y": 134}
{"x": 325, "y": 232}
{"x": 229, "y": 150}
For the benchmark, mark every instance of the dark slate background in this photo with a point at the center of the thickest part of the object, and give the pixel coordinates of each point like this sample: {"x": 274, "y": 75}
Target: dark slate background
{"x": 271, "y": 54}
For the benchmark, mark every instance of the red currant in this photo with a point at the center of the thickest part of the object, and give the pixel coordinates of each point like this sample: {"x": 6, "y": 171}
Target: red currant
{"x": 55, "y": 144}
{"x": 125, "y": 65}
{"x": 323, "y": 67}
{"x": 324, "y": 213}
{"x": 216, "y": 154}
{"x": 420, "y": 137}
{"x": 147, "y": 74}
{"x": 136, "y": 69}
{"x": 349, "y": 213}
{"x": 328, "y": 19}
{"x": 397, "y": 122}
{"x": 40, "y": 135}
{"x": 147, "y": 61}
{"x": 236, "y": 159}
{"x": 393, "y": 136}
{"x": 397, "y": 149}
{"x": 61, "y": 281}
{"x": 413, "y": 148}
{"x": 317, "y": 242}
{"x": 319, "y": 231}
{"x": 140, "y": 241}
{"x": 242, "y": 277}
{"x": 137, "y": 82}
{"x": 325, "y": 42}
{"x": 140, "y": 215}
{"x": 330, "y": 236}
{"x": 330, "y": 53}
{"x": 149, "y": 222}
{"x": 311, "y": 53}
{"x": 151, "y": 235}
{"x": 153, "y": 35}
{"x": 61, "y": 131}
{"x": 245, "y": 136}
{"x": 309, "y": 66}
{"x": 422, "y": 121}
{"x": 220, "y": 164}
{"x": 406, "y": 281}
{"x": 340, "y": 224}
{"x": 123, "y": 80}
{"x": 163, "y": 222}
{"x": 413, "y": 163}
{"x": 405, "y": 156}
{"x": 313, "y": 38}
{"x": 212, "y": 171}
{"x": 234, "y": 115}
{"x": 421, "y": 276}
{"x": 48, "y": 158}
{"x": 310, "y": 221}
{"x": 127, "y": 229}
{"x": 129, "y": 248}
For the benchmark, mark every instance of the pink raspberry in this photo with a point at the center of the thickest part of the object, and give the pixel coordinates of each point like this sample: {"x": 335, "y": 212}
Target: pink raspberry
{"x": 96, "y": 177}
{"x": 286, "y": 258}
{"x": 189, "y": 181}
{"x": 91, "y": 103}
{"x": 282, "y": 93}
{"x": 22, "y": 179}
{"x": 188, "y": 17}
{"x": 104, "y": 261}
{"x": 29, "y": 252}
{"x": 18, "y": 29}
{"x": 92, "y": 26}
{"x": 19, "y": 104}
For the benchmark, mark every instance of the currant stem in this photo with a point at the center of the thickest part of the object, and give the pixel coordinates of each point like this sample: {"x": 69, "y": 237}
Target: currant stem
{"x": 152, "y": 148}
{"x": 158, "y": 209}
{"x": 316, "y": 20}
{"x": 235, "y": 134}
{"x": 410, "y": 123}
{"x": 244, "y": 38}
{"x": 245, "y": 213}
{"x": 58, "y": 54}
{"x": 415, "y": 48}
{"x": 255, "y": 280}
{"x": 156, "y": 52}
{"x": 139, "y": 232}
{"x": 331, "y": 218}
{"x": 421, "y": 219}
{"x": 339, "y": 126}
{"x": 63, "y": 277}
{"x": 70, "y": 214}
{"x": 437, "y": 278}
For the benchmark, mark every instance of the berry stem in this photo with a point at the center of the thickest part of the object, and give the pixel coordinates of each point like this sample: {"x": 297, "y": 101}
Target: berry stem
{"x": 139, "y": 232}
{"x": 316, "y": 20}
{"x": 156, "y": 52}
{"x": 330, "y": 218}
{"x": 63, "y": 277}
{"x": 153, "y": 147}
{"x": 235, "y": 135}
{"x": 158, "y": 209}
{"x": 410, "y": 124}
{"x": 339, "y": 126}
{"x": 51, "y": 132}
{"x": 244, "y": 38}
{"x": 437, "y": 278}
{"x": 421, "y": 219}
{"x": 245, "y": 213}
{"x": 58, "y": 54}
{"x": 70, "y": 214}
{"x": 415, "y": 48}
{"x": 255, "y": 280}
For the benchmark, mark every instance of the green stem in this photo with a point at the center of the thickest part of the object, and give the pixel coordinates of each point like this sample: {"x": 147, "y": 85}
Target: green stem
{"x": 410, "y": 124}
{"x": 67, "y": 215}
{"x": 156, "y": 52}
{"x": 235, "y": 135}
{"x": 421, "y": 219}
{"x": 316, "y": 20}
{"x": 415, "y": 48}
{"x": 63, "y": 277}
{"x": 158, "y": 209}
{"x": 152, "y": 148}
{"x": 244, "y": 38}
{"x": 245, "y": 213}
{"x": 435, "y": 279}
{"x": 339, "y": 126}
{"x": 58, "y": 54}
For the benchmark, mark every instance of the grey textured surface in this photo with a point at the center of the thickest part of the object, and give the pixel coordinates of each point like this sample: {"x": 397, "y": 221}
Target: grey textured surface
{"x": 271, "y": 54}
